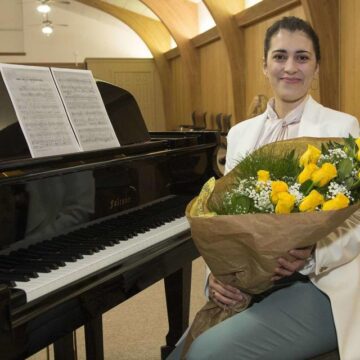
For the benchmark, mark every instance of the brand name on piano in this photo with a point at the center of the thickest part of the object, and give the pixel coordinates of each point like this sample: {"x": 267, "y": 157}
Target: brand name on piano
{"x": 119, "y": 202}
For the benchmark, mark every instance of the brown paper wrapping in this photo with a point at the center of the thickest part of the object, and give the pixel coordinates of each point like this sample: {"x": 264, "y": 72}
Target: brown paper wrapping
{"x": 241, "y": 250}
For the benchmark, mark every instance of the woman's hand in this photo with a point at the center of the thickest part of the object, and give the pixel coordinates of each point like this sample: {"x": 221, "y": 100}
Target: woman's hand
{"x": 287, "y": 268}
{"x": 223, "y": 295}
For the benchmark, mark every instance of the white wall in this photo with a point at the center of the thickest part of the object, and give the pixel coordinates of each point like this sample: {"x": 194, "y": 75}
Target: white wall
{"x": 91, "y": 33}
{"x": 11, "y": 26}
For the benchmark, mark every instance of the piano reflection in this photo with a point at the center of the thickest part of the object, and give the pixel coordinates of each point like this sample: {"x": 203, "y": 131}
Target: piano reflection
{"x": 81, "y": 233}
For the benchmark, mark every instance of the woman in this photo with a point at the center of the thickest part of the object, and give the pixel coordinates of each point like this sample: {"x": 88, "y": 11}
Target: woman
{"x": 305, "y": 318}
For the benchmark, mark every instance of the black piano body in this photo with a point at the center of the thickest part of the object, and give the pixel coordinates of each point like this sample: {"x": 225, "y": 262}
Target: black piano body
{"x": 77, "y": 203}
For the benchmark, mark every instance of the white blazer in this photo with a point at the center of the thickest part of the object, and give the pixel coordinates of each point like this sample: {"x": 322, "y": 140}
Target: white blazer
{"x": 337, "y": 256}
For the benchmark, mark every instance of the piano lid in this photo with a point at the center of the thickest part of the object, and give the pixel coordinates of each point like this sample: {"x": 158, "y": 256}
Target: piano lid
{"x": 124, "y": 113}
{"x": 121, "y": 106}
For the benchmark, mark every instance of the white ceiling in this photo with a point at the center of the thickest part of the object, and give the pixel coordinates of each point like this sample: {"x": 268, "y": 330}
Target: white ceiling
{"x": 135, "y": 6}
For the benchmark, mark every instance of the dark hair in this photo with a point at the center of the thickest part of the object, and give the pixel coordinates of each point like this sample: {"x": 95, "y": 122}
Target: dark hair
{"x": 292, "y": 23}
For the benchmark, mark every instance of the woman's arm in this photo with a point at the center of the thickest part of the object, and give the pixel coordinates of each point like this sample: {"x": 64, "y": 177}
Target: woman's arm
{"x": 339, "y": 247}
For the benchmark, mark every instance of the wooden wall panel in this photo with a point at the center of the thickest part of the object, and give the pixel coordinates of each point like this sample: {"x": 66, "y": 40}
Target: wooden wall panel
{"x": 349, "y": 57}
{"x": 232, "y": 36}
{"x": 324, "y": 16}
{"x": 216, "y": 84}
{"x": 141, "y": 79}
{"x": 181, "y": 104}
{"x": 255, "y": 81}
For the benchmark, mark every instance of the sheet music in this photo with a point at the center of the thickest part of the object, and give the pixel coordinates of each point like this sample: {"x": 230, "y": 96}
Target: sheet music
{"x": 39, "y": 110}
{"x": 85, "y": 109}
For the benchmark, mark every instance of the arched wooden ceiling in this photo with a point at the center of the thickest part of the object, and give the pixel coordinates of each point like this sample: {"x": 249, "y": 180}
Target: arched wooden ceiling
{"x": 180, "y": 18}
{"x": 152, "y": 32}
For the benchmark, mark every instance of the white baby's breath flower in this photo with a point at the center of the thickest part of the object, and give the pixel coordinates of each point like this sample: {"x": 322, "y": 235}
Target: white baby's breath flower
{"x": 335, "y": 188}
{"x": 334, "y": 156}
{"x": 295, "y": 190}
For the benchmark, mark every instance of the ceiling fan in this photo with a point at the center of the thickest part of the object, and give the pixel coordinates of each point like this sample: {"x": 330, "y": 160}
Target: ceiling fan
{"x": 47, "y": 26}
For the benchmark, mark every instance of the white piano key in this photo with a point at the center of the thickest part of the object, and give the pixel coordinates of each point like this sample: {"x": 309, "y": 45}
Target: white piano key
{"x": 48, "y": 282}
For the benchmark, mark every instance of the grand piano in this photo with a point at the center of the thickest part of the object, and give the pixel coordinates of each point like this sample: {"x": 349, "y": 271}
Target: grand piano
{"x": 81, "y": 233}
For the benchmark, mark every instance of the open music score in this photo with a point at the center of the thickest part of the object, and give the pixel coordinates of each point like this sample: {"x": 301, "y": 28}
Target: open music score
{"x": 60, "y": 116}
{"x": 85, "y": 109}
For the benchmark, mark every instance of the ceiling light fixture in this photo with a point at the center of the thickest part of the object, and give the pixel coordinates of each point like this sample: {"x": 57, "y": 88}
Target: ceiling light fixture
{"x": 43, "y": 8}
{"x": 47, "y": 29}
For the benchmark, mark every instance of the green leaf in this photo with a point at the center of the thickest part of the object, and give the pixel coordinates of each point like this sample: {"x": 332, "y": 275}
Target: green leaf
{"x": 350, "y": 182}
{"x": 355, "y": 185}
{"x": 324, "y": 149}
{"x": 239, "y": 204}
{"x": 306, "y": 187}
{"x": 291, "y": 155}
{"x": 350, "y": 145}
{"x": 344, "y": 169}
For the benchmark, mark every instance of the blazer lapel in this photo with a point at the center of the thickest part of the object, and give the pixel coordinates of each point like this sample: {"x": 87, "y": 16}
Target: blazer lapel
{"x": 309, "y": 124}
{"x": 251, "y": 137}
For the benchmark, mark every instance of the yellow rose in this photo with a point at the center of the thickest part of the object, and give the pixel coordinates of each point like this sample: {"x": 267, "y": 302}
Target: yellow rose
{"x": 324, "y": 175}
{"x": 340, "y": 201}
{"x": 276, "y": 188}
{"x": 307, "y": 172}
{"x": 310, "y": 156}
{"x": 310, "y": 202}
{"x": 263, "y": 175}
{"x": 285, "y": 203}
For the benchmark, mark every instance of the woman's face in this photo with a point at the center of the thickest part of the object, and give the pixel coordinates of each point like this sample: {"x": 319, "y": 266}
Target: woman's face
{"x": 290, "y": 65}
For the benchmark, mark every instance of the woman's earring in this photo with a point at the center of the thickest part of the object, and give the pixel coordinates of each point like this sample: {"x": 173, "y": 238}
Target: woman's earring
{"x": 314, "y": 84}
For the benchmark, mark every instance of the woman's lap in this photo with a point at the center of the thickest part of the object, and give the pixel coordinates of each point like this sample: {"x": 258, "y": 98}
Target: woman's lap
{"x": 292, "y": 323}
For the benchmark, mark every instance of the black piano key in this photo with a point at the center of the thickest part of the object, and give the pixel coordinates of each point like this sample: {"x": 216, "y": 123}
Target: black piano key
{"x": 46, "y": 257}
{"x": 49, "y": 245}
{"x": 65, "y": 251}
{"x": 111, "y": 241}
{"x": 9, "y": 283}
{"x": 33, "y": 265}
{"x": 71, "y": 253}
{"x": 28, "y": 258}
{"x": 18, "y": 271}
{"x": 58, "y": 257}
{"x": 13, "y": 277}
{"x": 5, "y": 259}
{"x": 96, "y": 244}
{"x": 77, "y": 249}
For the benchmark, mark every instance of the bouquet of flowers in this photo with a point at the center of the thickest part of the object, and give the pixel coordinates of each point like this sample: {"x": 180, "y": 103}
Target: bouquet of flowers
{"x": 283, "y": 196}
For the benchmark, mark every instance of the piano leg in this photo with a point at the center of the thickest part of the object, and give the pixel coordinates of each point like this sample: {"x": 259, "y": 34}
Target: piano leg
{"x": 177, "y": 291}
{"x": 94, "y": 339}
{"x": 64, "y": 348}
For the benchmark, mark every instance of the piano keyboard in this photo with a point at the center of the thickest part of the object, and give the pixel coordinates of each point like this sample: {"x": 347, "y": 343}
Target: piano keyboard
{"x": 55, "y": 263}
